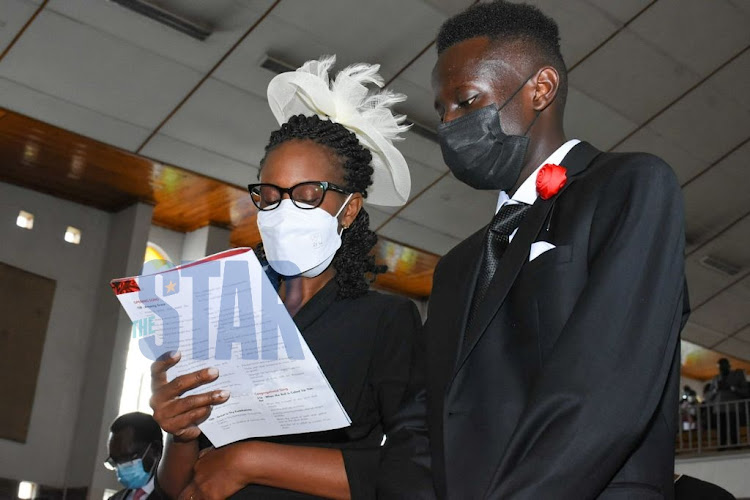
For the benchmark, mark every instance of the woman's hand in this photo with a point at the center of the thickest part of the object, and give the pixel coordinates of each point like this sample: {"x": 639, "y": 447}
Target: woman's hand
{"x": 177, "y": 415}
{"x": 218, "y": 473}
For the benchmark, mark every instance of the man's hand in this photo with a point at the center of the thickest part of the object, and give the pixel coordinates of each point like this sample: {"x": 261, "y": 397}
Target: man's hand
{"x": 177, "y": 415}
{"x": 218, "y": 474}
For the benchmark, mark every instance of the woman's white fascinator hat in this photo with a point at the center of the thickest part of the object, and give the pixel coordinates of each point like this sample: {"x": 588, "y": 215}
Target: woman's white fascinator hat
{"x": 347, "y": 101}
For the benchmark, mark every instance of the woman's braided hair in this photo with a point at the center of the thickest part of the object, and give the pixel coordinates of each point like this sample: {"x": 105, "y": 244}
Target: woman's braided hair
{"x": 354, "y": 263}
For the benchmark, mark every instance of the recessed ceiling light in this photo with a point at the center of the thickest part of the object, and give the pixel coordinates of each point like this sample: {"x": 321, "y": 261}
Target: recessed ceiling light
{"x": 73, "y": 235}
{"x": 26, "y": 490}
{"x": 25, "y": 220}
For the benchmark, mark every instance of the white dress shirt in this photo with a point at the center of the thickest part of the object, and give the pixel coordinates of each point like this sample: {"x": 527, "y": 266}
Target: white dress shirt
{"x": 526, "y": 193}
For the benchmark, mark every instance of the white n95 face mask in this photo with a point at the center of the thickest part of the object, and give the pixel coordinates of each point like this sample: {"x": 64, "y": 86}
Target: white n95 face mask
{"x": 299, "y": 242}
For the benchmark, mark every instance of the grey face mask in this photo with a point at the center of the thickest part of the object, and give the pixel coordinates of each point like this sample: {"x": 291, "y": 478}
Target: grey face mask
{"x": 479, "y": 153}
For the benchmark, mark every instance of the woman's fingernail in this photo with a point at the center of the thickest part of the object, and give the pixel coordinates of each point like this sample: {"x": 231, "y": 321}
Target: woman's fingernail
{"x": 221, "y": 395}
{"x": 175, "y": 354}
{"x": 212, "y": 372}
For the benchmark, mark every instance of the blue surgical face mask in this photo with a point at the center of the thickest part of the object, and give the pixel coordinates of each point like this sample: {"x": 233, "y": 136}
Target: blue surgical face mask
{"x": 132, "y": 474}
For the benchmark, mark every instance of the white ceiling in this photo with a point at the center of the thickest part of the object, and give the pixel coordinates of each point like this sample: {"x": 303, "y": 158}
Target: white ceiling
{"x": 665, "y": 76}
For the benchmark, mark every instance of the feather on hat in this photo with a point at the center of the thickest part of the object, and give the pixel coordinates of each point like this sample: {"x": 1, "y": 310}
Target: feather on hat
{"x": 348, "y": 101}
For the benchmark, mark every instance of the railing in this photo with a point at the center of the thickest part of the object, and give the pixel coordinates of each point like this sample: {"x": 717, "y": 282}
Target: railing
{"x": 711, "y": 427}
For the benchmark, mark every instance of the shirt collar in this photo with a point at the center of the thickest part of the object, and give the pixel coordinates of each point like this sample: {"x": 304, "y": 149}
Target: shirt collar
{"x": 149, "y": 486}
{"x": 526, "y": 193}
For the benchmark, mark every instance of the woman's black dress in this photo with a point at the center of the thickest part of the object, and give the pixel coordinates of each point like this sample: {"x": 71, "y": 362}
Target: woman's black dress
{"x": 364, "y": 347}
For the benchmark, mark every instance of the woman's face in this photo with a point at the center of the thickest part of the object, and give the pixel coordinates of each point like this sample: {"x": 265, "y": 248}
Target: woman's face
{"x": 301, "y": 160}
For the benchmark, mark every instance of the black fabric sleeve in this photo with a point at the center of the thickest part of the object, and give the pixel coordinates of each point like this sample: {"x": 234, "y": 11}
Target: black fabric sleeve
{"x": 389, "y": 376}
{"x": 405, "y": 468}
{"x": 623, "y": 333}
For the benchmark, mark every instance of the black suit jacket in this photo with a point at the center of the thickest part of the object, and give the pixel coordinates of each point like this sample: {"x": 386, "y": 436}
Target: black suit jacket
{"x": 569, "y": 386}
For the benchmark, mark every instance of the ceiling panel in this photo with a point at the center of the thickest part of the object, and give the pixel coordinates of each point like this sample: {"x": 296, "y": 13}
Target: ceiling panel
{"x": 703, "y": 282}
{"x": 718, "y": 196}
{"x": 743, "y": 334}
{"x": 226, "y": 120}
{"x": 449, "y": 7}
{"x": 421, "y": 177}
{"x": 419, "y": 103}
{"x": 418, "y": 236}
{"x": 389, "y": 32}
{"x": 420, "y": 71}
{"x": 621, "y": 10}
{"x": 377, "y": 216}
{"x": 13, "y": 16}
{"x": 172, "y": 151}
{"x": 582, "y": 26}
{"x": 742, "y": 289}
{"x": 729, "y": 246}
{"x": 415, "y": 82}
{"x": 705, "y": 123}
{"x": 453, "y": 208}
{"x": 735, "y": 347}
{"x": 589, "y": 119}
{"x": 632, "y": 76}
{"x": 420, "y": 148}
{"x": 70, "y": 116}
{"x": 278, "y": 38}
{"x": 741, "y": 4}
{"x": 73, "y": 61}
{"x": 726, "y": 80}
{"x": 701, "y": 335}
{"x": 716, "y": 30}
{"x": 299, "y": 30}
{"x": 646, "y": 139}
{"x": 726, "y": 313}
{"x": 227, "y": 19}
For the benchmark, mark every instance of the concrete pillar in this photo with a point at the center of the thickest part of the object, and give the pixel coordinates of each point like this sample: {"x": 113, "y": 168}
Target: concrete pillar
{"x": 107, "y": 354}
{"x": 205, "y": 241}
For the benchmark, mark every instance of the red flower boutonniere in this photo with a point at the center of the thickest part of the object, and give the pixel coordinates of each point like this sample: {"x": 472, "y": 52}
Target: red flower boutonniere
{"x": 550, "y": 179}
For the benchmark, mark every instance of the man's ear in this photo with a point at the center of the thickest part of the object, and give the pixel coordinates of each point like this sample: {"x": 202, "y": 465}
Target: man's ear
{"x": 547, "y": 85}
{"x": 352, "y": 210}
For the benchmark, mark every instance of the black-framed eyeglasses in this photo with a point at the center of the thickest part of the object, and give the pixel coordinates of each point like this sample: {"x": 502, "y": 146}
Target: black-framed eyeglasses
{"x": 305, "y": 195}
{"x": 111, "y": 464}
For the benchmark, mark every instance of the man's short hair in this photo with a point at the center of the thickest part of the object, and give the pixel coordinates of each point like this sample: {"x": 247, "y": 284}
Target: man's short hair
{"x": 505, "y": 21}
{"x": 145, "y": 428}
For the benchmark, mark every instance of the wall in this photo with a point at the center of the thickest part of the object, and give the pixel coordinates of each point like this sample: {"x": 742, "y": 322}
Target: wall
{"x": 170, "y": 241}
{"x": 76, "y": 268}
{"x": 728, "y": 470}
{"x": 83, "y": 359}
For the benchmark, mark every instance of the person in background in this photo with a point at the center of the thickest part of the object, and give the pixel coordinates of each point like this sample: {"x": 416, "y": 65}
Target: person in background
{"x": 726, "y": 388}
{"x": 728, "y": 385}
{"x": 135, "y": 448}
{"x": 688, "y": 408}
{"x": 691, "y": 488}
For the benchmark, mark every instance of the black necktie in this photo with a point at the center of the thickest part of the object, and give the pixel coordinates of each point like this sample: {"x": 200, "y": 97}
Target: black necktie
{"x": 505, "y": 221}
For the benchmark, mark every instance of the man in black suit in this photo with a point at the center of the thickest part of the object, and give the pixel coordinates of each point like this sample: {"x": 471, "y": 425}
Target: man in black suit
{"x": 725, "y": 388}
{"x": 551, "y": 366}
{"x": 135, "y": 447}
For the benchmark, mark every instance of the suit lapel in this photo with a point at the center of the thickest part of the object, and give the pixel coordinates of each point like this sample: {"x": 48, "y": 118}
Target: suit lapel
{"x": 517, "y": 252}
{"x": 461, "y": 278}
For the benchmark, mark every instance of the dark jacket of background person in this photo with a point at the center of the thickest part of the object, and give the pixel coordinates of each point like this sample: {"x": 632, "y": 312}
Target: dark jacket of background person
{"x": 690, "y": 488}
